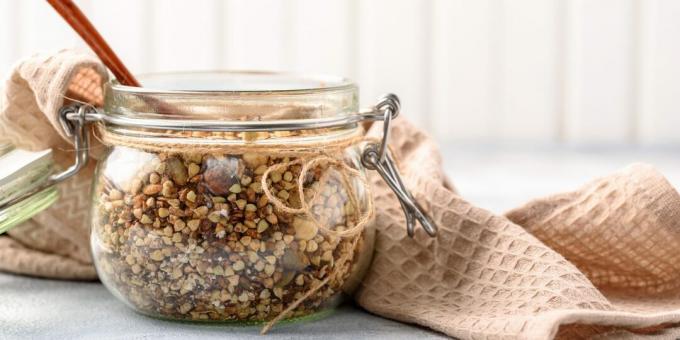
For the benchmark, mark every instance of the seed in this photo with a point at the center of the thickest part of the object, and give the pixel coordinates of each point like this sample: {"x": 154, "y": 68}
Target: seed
{"x": 191, "y": 196}
{"x": 193, "y": 224}
{"x": 145, "y": 219}
{"x": 269, "y": 269}
{"x": 236, "y": 188}
{"x": 283, "y": 194}
{"x": 176, "y": 170}
{"x": 193, "y": 169}
{"x": 287, "y": 239}
{"x": 254, "y": 160}
{"x": 275, "y": 176}
{"x": 152, "y": 189}
{"x": 241, "y": 204}
{"x": 157, "y": 255}
{"x": 177, "y": 237}
{"x": 138, "y": 213}
{"x": 115, "y": 195}
{"x": 163, "y": 212}
{"x": 312, "y": 246}
{"x": 327, "y": 256}
{"x": 245, "y": 240}
{"x": 251, "y": 207}
{"x": 265, "y": 294}
{"x": 136, "y": 268}
{"x": 278, "y": 292}
{"x": 201, "y": 211}
{"x": 260, "y": 170}
{"x": 136, "y": 186}
{"x": 233, "y": 280}
{"x": 179, "y": 225}
{"x": 288, "y": 176}
{"x": 173, "y": 202}
{"x": 305, "y": 229}
{"x": 238, "y": 265}
{"x": 154, "y": 178}
{"x": 220, "y": 232}
{"x": 168, "y": 189}
{"x": 262, "y": 225}
{"x": 271, "y": 218}
{"x": 214, "y": 216}
{"x": 300, "y": 280}
{"x": 243, "y": 297}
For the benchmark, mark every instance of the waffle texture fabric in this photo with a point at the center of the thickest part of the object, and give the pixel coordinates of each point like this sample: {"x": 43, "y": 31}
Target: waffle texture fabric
{"x": 54, "y": 243}
{"x": 598, "y": 262}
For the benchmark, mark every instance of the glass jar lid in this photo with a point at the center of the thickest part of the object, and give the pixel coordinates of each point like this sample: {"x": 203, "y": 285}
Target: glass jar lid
{"x": 23, "y": 192}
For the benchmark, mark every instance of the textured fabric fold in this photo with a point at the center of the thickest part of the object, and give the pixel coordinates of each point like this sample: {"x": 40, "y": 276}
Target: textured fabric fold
{"x": 54, "y": 243}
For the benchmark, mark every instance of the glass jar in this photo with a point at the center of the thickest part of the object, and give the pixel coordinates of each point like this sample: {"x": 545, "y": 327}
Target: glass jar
{"x": 199, "y": 224}
{"x": 238, "y": 197}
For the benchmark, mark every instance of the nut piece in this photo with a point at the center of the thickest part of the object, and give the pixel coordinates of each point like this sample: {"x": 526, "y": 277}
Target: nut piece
{"x": 221, "y": 174}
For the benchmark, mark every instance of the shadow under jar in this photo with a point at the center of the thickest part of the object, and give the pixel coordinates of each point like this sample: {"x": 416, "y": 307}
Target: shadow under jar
{"x": 237, "y": 215}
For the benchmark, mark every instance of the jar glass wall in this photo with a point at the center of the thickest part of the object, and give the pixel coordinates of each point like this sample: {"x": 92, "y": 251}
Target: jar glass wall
{"x": 236, "y": 225}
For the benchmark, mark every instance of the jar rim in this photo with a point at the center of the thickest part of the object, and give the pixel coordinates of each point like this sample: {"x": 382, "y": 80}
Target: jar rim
{"x": 252, "y": 97}
{"x": 286, "y": 86}
{"x": 230, "y": 103}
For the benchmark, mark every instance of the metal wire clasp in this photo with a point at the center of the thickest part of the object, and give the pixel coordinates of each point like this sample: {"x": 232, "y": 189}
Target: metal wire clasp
{"x": 74, "y": 120}
{"x": 377, "y": 157}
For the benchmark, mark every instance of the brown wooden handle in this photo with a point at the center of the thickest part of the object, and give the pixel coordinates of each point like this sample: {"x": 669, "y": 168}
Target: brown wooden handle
{"x": 79, "y": 22}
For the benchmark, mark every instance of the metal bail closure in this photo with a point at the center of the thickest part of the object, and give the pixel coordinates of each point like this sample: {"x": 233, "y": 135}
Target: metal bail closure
{"x": 377, "y": 157}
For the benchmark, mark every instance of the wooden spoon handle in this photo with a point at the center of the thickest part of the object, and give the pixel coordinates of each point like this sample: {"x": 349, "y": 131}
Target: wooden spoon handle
{"x": 79, "y": 22}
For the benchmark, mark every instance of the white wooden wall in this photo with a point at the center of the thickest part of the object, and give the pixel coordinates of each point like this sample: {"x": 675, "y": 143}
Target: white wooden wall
{"x": 509, "y": 71}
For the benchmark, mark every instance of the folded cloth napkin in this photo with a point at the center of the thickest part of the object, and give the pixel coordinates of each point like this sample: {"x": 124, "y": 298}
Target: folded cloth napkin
{"x": 597, "y": 262}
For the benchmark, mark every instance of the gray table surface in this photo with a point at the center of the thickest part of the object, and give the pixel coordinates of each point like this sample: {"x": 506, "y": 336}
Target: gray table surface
{"x": 497, "y": 179}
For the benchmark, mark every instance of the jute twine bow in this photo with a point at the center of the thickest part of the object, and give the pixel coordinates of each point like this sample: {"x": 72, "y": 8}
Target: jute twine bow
{"x": 305, "y": 209}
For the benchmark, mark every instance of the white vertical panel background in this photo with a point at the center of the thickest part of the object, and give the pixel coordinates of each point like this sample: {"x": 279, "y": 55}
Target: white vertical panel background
{"x": 497, "y": 71}
{"x": 257, "y": 34}
{"x": 322, "y": 37}
{"x": 660, "y": 71}
{"x": 461, "y": 55}
{"x": 185, "y": 35}
{"x": 126, "y": 26}
{"x": 530, "y": 82}
{"x": 393, "y": 50}
{"x": 9, "y": 36}
{"x": 600, "y": 47}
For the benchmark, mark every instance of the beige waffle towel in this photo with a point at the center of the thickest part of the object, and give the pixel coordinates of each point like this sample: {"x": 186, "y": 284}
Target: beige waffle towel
{"x": 55, "y": 243}
{"x": 599, "y": 262}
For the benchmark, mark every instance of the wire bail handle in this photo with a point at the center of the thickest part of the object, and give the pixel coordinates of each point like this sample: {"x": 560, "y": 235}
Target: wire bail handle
{"x": 377, "y": 157}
